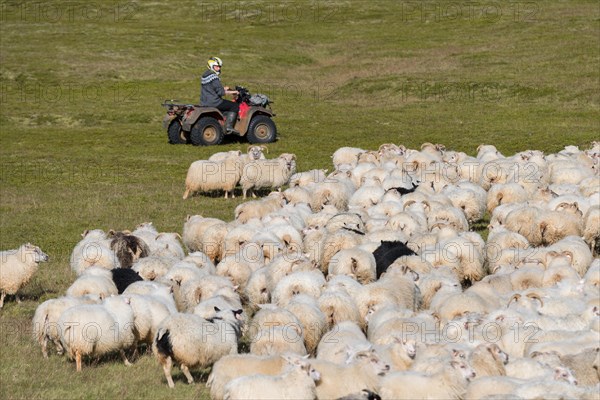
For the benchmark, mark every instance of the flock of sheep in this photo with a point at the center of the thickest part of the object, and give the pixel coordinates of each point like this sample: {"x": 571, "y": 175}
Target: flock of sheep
{"x": 364, "y": 283}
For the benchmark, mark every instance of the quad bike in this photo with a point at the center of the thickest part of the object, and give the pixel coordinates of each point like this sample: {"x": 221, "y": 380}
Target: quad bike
{"x": 205, "y": 126}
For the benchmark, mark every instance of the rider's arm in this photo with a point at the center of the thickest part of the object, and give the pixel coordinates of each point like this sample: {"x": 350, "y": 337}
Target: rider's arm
{"x": 227, "y": 91}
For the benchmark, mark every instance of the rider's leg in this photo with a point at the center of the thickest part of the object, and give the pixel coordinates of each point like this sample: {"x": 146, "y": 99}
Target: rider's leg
{"x": 233, "y": 109}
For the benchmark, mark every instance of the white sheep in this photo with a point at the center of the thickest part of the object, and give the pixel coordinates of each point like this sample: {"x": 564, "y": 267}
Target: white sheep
{"x": 148, "y": 312}
{"x": 297, "y": 195}
{"x": 300, "y": 282}
{"x": 168, "y": 245}
{"x": 259, "y": 208}
{"x": 234, "y": 366}
{"x": 17, "y": 268}
{"x": 332, "y": 243}
{"x": 339, "y": 306}
{"x": 181, "y": 272}
{"x": 356, "y": 263}
{"x": 153, "y": 267}
{"x": 396, "y": 289}
{"x": 206, "y": 176}
{"x": 97, "y": 329}
{"x": 504, "y": 193}
{"x": 399, "y": 354}
{"x": 335, "y": 191}
{"x": 194, "y": 230}
{"x": 279, "y": 339}
{"x": 450, "y": 383}
{"x": 254, "y": 152}
{"x": 195, "y": 291}
{"x": 269, "y": 316}
{"x": 308, "y": 177}
{"x": 591, "y": 229}
{"x": 202, "y": 261}
{"x": 361, "y": 370}
{"x": 93, "y": 251}
{"x": 94, "y": 280}
{"x": 469, "y": 198}
{"x": 222, "y": 155}
{"x": 576, "y": 250}
{"x": 311, "y": 318}
{"x": 297, "y": 382}
{"x": 190, "y": 341}
{"x": 147, "y": 232}
{"x": 366, "y": 196}
{"x": 45, "y": 320}
{"x": 335, "y": 342}
{"x": 487, "y": 359}
{"x": 257, "y": 289}
{"x": 273, "y": 173}
{"x": 346, "y": 156}
{"x": 237, "y": 269}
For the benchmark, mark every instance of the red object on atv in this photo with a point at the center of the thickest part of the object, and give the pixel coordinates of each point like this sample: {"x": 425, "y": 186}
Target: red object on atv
{"x": 244, "y": 110}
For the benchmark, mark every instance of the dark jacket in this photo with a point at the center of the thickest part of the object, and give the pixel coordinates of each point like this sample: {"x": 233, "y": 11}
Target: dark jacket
{"x": 212, "y": 89}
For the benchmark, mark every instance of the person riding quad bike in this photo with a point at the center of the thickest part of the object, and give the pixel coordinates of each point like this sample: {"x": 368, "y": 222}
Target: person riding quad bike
{"x": 213, "y": 91}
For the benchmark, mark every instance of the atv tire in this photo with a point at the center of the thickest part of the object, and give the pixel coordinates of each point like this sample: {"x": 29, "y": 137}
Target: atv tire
{"x": 206, "y": 132}
{"x": 175, "y": 133}
{"x": 261, "y": 130}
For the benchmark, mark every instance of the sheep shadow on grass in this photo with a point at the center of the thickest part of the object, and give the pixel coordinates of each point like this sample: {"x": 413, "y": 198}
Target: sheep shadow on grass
{"x": 216, "y": 194}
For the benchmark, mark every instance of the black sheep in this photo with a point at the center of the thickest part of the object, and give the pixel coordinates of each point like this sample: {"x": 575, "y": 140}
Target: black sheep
{"x": 388, "y": 252}
{"x": 123, "y": 277}
{"x": 403, "y": 190}
{"x": 128, "y": 248}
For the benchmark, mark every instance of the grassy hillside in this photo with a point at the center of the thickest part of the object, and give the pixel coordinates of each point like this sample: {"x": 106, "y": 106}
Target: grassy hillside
{"x": 80, "y": 119}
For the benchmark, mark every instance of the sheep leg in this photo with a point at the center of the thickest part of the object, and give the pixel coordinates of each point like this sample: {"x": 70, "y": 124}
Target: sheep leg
{"x": 244, "y": 191}
{"x": 226, "y": 194}
{"x": 18, "y": 299}
{"x": 124, "y": 357}
{"x": 59, "y": 349}
{"x": 44, "y": 344}
{"x": 186, "y": 372}
{"x": 253, "y": 194}
{"x": 2, "y": 296}
{"x": 167, "y": 364}
{"x": 78, "y": 360}
{"x": 186, "y": 193}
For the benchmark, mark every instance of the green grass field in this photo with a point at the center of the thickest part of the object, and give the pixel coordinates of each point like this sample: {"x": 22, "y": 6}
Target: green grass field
{"x": 82, "y": 145}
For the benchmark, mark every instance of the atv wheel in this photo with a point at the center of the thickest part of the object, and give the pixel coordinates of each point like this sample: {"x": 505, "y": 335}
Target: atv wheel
{"x": 262, "y": 130}
{"x": 206, "y": 132}
{"x": 175, "y": 133}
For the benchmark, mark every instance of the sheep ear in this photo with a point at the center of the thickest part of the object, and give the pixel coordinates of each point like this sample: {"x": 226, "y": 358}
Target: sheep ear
{"x": 217, "y": 309}
{"x": 85, "y": 233}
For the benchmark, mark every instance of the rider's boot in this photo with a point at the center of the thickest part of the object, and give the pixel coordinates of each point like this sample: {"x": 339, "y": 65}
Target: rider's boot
{"x": 230, "y": 120}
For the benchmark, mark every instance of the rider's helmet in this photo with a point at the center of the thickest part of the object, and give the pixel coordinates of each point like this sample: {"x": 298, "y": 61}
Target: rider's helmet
{"x": 215, "y": 62}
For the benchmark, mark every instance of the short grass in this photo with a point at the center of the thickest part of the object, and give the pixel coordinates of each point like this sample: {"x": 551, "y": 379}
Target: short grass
{"x": 82, "y": 146}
